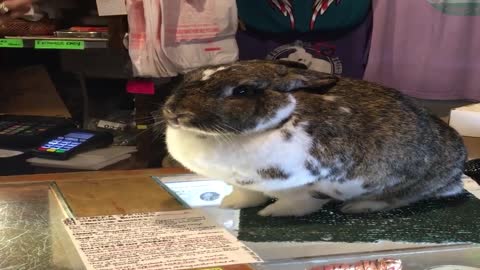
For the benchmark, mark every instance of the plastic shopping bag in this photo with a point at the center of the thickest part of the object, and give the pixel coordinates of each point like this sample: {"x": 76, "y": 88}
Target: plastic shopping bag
{"x": 142, "y": 65}
{"x": 197, "y": 33}
{"x": 153, "y": 15}
{"x": 144, "y": 19}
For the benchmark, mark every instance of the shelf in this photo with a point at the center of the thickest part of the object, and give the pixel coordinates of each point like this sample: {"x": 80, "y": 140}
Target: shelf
{"x": 53, "y": 43}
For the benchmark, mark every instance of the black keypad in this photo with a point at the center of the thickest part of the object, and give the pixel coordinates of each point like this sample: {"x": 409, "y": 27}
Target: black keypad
{"x": 16, "y": 128}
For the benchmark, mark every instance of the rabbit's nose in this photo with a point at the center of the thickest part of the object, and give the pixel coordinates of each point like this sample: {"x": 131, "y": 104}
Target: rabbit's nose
{"x": 175, "y": 118}
{"x": 170, "y": 116}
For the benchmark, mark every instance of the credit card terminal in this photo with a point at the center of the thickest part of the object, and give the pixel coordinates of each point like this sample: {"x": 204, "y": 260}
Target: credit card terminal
{"x": 27, "y": 131}
{"x": 73, "y": 142}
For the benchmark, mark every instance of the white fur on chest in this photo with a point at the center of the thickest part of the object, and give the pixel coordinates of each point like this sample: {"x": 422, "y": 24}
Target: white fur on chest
{"x": 239, "y": 158}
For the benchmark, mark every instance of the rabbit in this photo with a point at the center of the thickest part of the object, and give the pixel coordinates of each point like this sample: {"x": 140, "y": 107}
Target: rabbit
{"x": 281, "y": 133}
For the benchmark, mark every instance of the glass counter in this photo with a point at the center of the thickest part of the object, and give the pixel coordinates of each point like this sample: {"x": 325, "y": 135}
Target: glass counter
{"x": 32, "y": 235}
{"x": 31, "y": 232}
{"x": 207, "y": 194}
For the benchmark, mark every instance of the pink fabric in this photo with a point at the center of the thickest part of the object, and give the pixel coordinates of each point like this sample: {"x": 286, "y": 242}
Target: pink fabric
{"x": 423, "y": 52}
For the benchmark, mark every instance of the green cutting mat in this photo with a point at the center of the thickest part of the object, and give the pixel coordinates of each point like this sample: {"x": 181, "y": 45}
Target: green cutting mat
{"x": 449, "y": 220}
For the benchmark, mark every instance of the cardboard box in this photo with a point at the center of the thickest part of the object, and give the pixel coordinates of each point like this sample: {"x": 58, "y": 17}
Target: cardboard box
{"x": 466, "y": 120}
{"x": 30, "y": 91}
{"x": 111, "y": 7}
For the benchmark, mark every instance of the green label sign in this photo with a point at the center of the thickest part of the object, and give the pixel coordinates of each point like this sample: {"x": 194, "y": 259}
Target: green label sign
{"x": 60, "y": 44}
{"x": 11, "y": 43}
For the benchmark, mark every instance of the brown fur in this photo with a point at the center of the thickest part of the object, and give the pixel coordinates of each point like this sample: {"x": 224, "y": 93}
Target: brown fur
{"x": 401, "y": 151}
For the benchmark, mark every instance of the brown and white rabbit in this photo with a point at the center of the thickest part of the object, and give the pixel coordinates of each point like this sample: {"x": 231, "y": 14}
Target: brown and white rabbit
{"x": 274, "y": 129}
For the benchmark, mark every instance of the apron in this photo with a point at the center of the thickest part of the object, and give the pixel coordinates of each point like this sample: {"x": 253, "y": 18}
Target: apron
{"x": 427, "y": 48}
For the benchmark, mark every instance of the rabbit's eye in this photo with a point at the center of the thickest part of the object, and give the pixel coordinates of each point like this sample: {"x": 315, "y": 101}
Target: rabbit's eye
{"x": 243, "y": 90}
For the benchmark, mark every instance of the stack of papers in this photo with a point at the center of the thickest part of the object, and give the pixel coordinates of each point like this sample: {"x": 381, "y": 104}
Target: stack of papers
{"x": 92, "y": 160}
{"x": 5, "y": 153}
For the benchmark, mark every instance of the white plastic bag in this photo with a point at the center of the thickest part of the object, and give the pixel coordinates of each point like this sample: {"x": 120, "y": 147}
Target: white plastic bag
{"x": 168, "y": 37}
{"x": 144, "y": 19}
{"x": 153, "y": 15}
{"x": 198, "y": 33}
{"x": 137, "y": 43}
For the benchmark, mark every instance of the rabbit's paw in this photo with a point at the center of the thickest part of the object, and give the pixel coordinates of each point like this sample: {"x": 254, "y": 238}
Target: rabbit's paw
{"x": 292, "y": 208}
{"x": 365, "y": 207}
{"x": 241, "y": 198}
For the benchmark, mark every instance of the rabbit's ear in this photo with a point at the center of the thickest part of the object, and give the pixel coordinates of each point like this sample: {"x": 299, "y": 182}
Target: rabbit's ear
{"x": 295, "y": 79}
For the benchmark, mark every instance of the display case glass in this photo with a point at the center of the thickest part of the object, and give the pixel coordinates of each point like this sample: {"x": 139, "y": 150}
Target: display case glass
{"x": 32, "y": 235}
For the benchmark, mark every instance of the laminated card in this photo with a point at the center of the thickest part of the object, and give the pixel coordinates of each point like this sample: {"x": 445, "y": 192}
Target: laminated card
{"x": 172, "y": 240}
